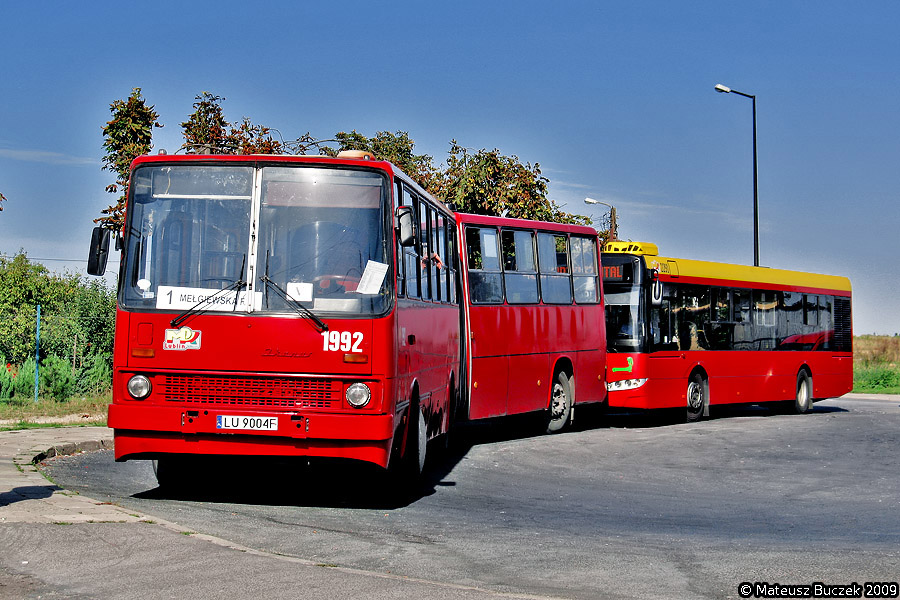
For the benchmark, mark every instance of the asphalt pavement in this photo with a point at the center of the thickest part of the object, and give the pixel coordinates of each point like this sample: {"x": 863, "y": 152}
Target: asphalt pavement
{"x": 58, "y": 544}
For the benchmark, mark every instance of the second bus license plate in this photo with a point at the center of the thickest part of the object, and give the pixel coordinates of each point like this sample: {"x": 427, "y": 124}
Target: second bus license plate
{"x": 247, "y": 423}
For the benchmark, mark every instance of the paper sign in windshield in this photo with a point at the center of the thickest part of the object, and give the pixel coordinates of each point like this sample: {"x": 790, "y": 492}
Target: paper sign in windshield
{"x": 185, "y": 298}
{"x": 372, "y": 278}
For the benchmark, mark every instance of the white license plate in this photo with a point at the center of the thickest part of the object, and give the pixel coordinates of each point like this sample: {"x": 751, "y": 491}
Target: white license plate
{"x": 246, "y": 423}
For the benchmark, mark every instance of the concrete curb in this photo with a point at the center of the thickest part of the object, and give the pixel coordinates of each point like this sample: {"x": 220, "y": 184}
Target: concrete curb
{"x": 26, "y": 496}
{"x": 69, "y": 448}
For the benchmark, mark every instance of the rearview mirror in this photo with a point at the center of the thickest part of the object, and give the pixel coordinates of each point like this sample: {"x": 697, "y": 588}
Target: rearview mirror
{"x": 406, "y": 226}
{"x": 99, "y": 253}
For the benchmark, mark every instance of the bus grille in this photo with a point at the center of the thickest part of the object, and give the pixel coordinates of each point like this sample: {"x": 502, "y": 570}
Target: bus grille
{"x": 269, "y": 392}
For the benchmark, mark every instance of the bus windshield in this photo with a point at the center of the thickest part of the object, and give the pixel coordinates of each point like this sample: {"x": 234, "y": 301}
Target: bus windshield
{"x": 622, "y": 279}
{"x": 238, "y": 238}
{"x": 623, "y": 323}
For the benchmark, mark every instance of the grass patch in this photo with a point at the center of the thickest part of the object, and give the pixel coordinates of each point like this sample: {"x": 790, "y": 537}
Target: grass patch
{"x": 876, "y": 379}
{"x": 47, "y": 412}
{"x": 876, "y": 364}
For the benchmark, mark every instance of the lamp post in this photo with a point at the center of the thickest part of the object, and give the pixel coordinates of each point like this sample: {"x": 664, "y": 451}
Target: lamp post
{"x": 612, "y": 217}
{"x": 727, "y": 90}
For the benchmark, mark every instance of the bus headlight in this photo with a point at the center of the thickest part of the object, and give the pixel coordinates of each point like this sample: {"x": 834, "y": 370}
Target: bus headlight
{"x": 358, "y": 395}
{"x": 625, "y": 384}
{"x": 139, "y": 387}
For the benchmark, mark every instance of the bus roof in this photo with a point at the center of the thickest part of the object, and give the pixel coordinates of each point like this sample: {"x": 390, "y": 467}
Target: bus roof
{"x": 351, "y": 157}
{"x": 253, "y": 158}
{"x": 725, "y": 274}
{"x": 520, "y": 223}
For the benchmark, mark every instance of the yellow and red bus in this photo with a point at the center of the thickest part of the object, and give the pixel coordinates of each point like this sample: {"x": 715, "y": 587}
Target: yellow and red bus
{"x": 533, "y": 318}
{"x": 281, "y": 306}
{"x": 689, "y": 334}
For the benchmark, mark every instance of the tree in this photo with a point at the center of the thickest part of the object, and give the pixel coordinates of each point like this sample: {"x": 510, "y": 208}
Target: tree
{"x": 128, "y": 135}
{"x": 490, "y": 183}
{"x": 248, "y": 138}
{"x": 76, "y": 314}
{"x": 2, "y": 199}
{"x": 205, "y": 130}
{"x": 208, "y": 132}
{"x": 485, "y": 182}
{"x": 394, "y": 147}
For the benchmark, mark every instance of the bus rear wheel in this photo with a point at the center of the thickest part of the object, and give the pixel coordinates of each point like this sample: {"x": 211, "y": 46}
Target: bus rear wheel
{"x": 696, "y": 397}
{"x": 560, "y": 403}
{"x": 803, "y": 398}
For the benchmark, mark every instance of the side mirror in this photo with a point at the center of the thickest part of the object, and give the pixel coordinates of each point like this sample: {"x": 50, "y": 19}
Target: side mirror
{"x": 406, "y": 226}
{"x": 99, "y": 251}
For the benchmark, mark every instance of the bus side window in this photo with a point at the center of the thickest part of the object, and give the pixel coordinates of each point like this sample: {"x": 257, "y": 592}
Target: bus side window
{"x": 450, "y": 262}
{"x": 585, "y": 275}
{"x": 765, "y": 305}
{"x": 413, "y": 268}
{"x": 401, "y": 252}
{"x": 437, "y": 252}
{"x": 426, "y": 249}
{"x": 826, "y": 322}
{"x": 556, "y": 285}
{"x": 519, "y": 272}
{"x": 485, "y": 278}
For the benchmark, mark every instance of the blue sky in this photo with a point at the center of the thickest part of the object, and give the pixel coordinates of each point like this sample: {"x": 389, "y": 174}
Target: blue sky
{"x": 614, "y": 100}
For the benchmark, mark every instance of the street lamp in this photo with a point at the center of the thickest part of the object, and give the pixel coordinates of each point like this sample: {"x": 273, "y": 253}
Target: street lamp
{"x": 727, "y": 90}
{"x": 612, "y": 217}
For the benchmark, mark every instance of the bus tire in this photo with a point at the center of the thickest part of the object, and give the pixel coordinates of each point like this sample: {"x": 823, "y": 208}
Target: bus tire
{"x": 560, "y": 403}
{"x": 173, "y": 473}
{"x": 696, "y": 397}
{"x": 416, "y": 443}
{"x": 803, "y": 397}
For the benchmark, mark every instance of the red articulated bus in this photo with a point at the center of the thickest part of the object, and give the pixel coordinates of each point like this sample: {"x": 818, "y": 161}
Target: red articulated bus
{"x": 533, "y": 317}
{"x": 688, "y": 334}
{"x": 281, "y": 306}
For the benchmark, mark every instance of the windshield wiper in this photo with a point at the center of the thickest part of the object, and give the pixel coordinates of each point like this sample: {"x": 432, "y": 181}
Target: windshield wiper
{"x": 196, "y": 309}
{"x": 295, "y": 304}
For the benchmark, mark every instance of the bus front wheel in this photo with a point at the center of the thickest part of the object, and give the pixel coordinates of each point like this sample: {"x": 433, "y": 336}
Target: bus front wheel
{"x": 560, "y": 403}
{"x": 696, "y": 397}
{"x": 174, "y": 473}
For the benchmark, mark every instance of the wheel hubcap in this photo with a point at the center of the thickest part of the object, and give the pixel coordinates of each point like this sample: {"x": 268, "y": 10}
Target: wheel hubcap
{"x": 803, "y": 394}
{"x": 695, "y": 397}
{"x": 558, "y": 406}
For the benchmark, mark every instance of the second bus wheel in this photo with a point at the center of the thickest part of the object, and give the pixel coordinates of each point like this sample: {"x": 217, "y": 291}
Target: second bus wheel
{"x": 696, "y": 397}
{"x": 560, "y": 403}
{"x": 803, "y": 400}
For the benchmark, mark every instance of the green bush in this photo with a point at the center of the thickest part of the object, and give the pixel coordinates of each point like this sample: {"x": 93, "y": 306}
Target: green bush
{"x": 57, "y": 378}
{"x": 24, "y": 382}
{"x": 876, "y": 379}
{"x": 95, "y": 376}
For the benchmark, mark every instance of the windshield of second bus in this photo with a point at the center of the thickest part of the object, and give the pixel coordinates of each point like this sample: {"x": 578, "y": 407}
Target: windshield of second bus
{"x": 308, "y": 235}
{"x": 624, "y": 303}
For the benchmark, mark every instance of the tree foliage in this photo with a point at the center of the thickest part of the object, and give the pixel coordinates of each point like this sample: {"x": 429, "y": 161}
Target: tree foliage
{"x": 490, "y": 183}
{"x": 125, "y": 137}
{"x": 483, "y": 182}
{"x": 206, "y": 130}
{"x": 397, "y": 148}
{"x": 77, "y": 314}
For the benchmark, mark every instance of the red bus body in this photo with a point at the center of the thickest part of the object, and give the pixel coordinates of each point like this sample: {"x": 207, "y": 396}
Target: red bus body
{"x": 518, "y": 337}
{"x": 258, "y": 378}
{"x": 751, "y": 334}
